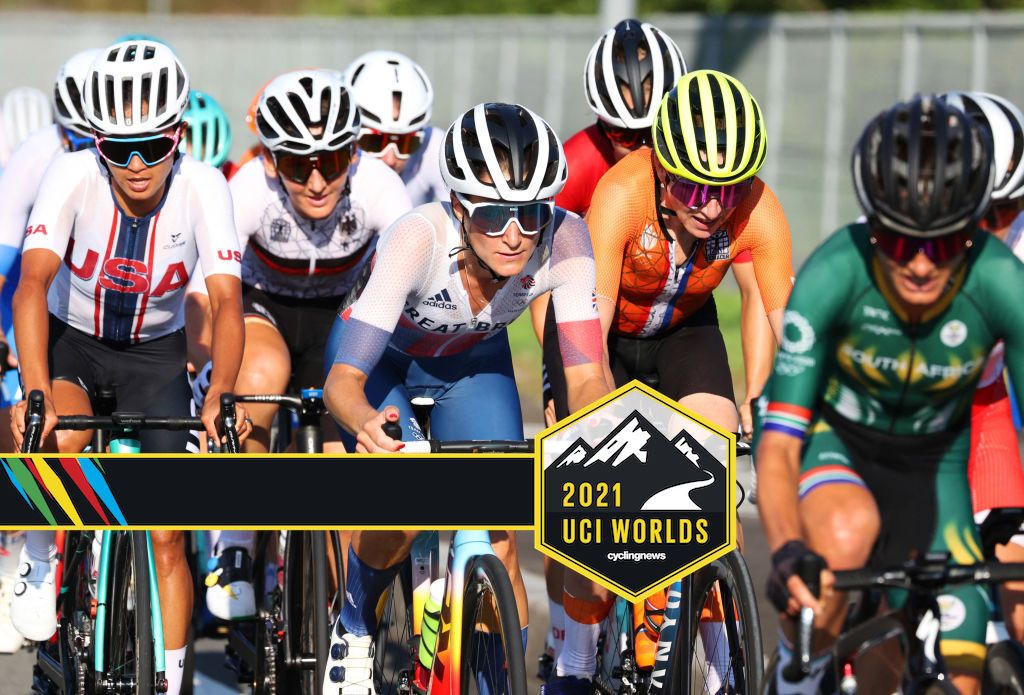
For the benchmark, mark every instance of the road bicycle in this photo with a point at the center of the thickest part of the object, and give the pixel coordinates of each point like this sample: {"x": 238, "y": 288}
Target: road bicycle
{"x": 284, "y": 647}
{"x": 914, "y": 627}
{"x": 709, "y": 640}
{"x": 109, "y": 635}
{"x": 459, "y": 633}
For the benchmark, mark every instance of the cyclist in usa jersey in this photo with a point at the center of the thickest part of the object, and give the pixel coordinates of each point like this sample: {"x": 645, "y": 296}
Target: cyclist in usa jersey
{"x": 19, "y": 186}
{"x": 395, "y": 99}
{"x": 447, "y": 279}
{"x": 113, "y": 238}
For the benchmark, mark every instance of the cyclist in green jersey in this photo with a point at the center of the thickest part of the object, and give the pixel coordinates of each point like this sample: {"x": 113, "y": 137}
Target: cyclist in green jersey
{"x": 864, "y": 454}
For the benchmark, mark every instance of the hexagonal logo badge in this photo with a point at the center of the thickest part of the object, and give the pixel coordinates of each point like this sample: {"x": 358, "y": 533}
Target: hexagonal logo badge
{"x": 636, "y": 491}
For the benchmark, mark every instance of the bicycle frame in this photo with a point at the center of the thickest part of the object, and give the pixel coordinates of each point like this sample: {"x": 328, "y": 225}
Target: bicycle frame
{"x": 445, "y": 678}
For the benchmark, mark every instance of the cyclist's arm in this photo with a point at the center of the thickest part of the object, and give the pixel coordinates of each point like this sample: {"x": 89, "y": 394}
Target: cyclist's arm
{"x": 581, "y": 340}
{"x": 31, "y": 317}
{"x": 405, "y": 254}
{"x": 801, "y": 371}
{"x": 198, "y": 322}
{"x": 757, "y": 338}
{"x": 227, "y": 335}
{"x": 766, "y": 233}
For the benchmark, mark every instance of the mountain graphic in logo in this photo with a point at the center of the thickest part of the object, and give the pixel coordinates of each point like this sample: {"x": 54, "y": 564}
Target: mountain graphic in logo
{"x": 663, "y": 474}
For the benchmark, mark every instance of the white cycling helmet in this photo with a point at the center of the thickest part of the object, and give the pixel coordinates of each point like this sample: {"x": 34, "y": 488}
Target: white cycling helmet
{"x": 377, "y": 78}
{"x": 614, "y": 62}
{"x": 488, "y": 135}
{"x": 1006, "y": 122}
{"x": 296, "y": 103}
{"x": 146, "y": 77}
{"x": 25, "y": 110}
{"x": 68, "y": 88}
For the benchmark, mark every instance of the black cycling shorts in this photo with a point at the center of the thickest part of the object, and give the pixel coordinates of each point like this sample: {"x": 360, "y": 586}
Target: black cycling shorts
{"x": 304, "y": 323}
{"x": 147, "y": 377}
{"x": 689, "y": 358}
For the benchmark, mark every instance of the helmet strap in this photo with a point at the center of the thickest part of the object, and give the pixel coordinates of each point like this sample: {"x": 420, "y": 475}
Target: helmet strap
{"x": 467, "y": 245}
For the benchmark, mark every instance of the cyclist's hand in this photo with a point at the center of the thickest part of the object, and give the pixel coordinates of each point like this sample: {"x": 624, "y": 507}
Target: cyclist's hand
{"x": 370, "y": 439}
{"x": 786, "y": 590}
{"x": 549, "y": 413}
{"x": 18, "y": 421}
{"x": 747, "y": 420}
{"x": 211, "y": 419}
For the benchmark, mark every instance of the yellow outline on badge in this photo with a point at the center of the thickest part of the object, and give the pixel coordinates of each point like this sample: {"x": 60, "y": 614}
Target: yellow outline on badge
{"x": 573, "y": 564}
{"x": 258, "y": 527}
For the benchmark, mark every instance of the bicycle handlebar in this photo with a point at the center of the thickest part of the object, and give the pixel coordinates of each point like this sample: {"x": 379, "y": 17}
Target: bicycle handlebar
{"x": 35, "y": 412}
{"x": 469, "y": 446}
{"x": 929, "y": 576}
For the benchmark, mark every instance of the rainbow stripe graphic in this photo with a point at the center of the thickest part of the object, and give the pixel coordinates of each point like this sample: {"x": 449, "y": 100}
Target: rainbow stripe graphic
{"x": 788, "y": 419}
{"x": 828, "y": 475}
{"x": 44, "y": 484}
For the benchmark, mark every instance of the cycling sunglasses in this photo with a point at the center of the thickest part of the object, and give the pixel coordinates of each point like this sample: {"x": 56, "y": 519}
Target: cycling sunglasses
{"x": 629, "y": 138}
{"x": 494, "y": 218}
{"x": 696, "y": 195}
{"x": 375, "y": 143}
{"x": 77, "y": 142}
{"x": 299, "y": 167}
{"x": 151, "y": 149}
{"x": 902, "y": 248}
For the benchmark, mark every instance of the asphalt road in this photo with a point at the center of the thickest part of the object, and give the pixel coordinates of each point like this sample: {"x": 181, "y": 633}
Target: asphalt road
{"x": 213, "y": 678}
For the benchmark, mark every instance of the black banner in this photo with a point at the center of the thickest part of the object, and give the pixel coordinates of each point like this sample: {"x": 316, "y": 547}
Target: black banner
{"x": 268, "y": 491}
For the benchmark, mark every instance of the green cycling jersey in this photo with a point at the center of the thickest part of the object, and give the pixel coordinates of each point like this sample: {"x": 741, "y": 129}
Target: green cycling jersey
{"x": 846, "y": 343}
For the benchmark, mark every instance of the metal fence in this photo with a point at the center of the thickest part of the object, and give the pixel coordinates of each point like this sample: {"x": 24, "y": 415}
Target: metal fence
{"x": 819, "y": 77}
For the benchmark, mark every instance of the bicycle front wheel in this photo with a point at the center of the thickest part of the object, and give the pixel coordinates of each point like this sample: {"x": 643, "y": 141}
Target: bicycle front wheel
{"x": 493, "y": 660}
{"x": 128, "y": 666}
{"x": 307, "y": 623}
{"x": 724, "y": 652}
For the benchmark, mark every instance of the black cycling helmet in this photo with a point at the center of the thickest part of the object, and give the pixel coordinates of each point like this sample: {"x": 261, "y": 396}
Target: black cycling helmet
{"x": 924, "y": 168}
{"x": 491, "y": 139}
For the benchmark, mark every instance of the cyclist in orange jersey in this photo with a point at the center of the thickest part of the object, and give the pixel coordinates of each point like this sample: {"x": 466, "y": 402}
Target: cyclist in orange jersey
{"x": 666, "y": 223}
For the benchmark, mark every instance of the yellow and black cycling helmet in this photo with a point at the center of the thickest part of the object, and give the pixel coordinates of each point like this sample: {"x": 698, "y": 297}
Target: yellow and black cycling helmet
{"x": 710, "y": 130}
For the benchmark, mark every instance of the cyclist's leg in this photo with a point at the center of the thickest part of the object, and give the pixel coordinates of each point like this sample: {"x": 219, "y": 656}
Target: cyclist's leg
{"x": 997, "y": 480}
{"x": 266, "y": 368}
{"x": 841, "y": 521}
{"x": 481, "y": 401}
{"x": 33, "y": 606}
{"x": 152, "y": 379}
{"x": 964, "y": 609}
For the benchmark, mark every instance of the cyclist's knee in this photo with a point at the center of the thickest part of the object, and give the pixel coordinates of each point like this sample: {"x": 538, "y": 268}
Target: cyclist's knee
{"x": 266, "y": 364}
{"x": 714, "y": 407}
{"x": 842, "y": 523}
{"x": 70, "y": 398}
{"x": 505, "y": 547}
{"x": 168, "y": 549}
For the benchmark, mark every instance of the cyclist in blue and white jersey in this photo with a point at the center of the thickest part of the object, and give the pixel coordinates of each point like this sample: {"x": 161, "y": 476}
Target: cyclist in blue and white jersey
{"x": 395, "y": 99}
{"x": 114, "y": 236}
{"x": 447, "y": 279}
{"x": 19, "y": 185}
{"x": 307, "y": 213}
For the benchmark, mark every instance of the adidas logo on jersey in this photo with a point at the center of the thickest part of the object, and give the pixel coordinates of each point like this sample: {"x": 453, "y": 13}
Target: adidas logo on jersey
{"x": 441, "y": 300}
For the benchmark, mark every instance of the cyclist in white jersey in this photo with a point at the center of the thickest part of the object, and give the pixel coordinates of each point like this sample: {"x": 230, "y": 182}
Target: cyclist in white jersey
{"x": 25, "y": 110}
{"x": 307, "y": 214}
{"x": 113, "y": 238}
{"x": 430, "y": 321}
{"x": 395, "y": 98}
{"x": 19, "y": 185}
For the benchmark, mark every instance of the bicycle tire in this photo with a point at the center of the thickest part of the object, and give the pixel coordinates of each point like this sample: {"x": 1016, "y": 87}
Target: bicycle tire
{"x": 488, "y": 577}
{"x": 614, "y": 649}
{"x": 306, "y": 619}
{"x": 728, "y": 576}
{"x": 1004, "y": 669}
{"x": 129, "y": 644}
{"x": 393, "y": 655}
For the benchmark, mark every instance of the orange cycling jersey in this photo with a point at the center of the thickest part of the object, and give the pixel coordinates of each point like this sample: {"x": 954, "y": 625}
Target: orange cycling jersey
{"x": 636, "y": 260}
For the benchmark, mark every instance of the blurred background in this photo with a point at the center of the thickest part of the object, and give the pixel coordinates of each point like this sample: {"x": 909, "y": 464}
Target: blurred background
{"x": 819, "y": 68}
